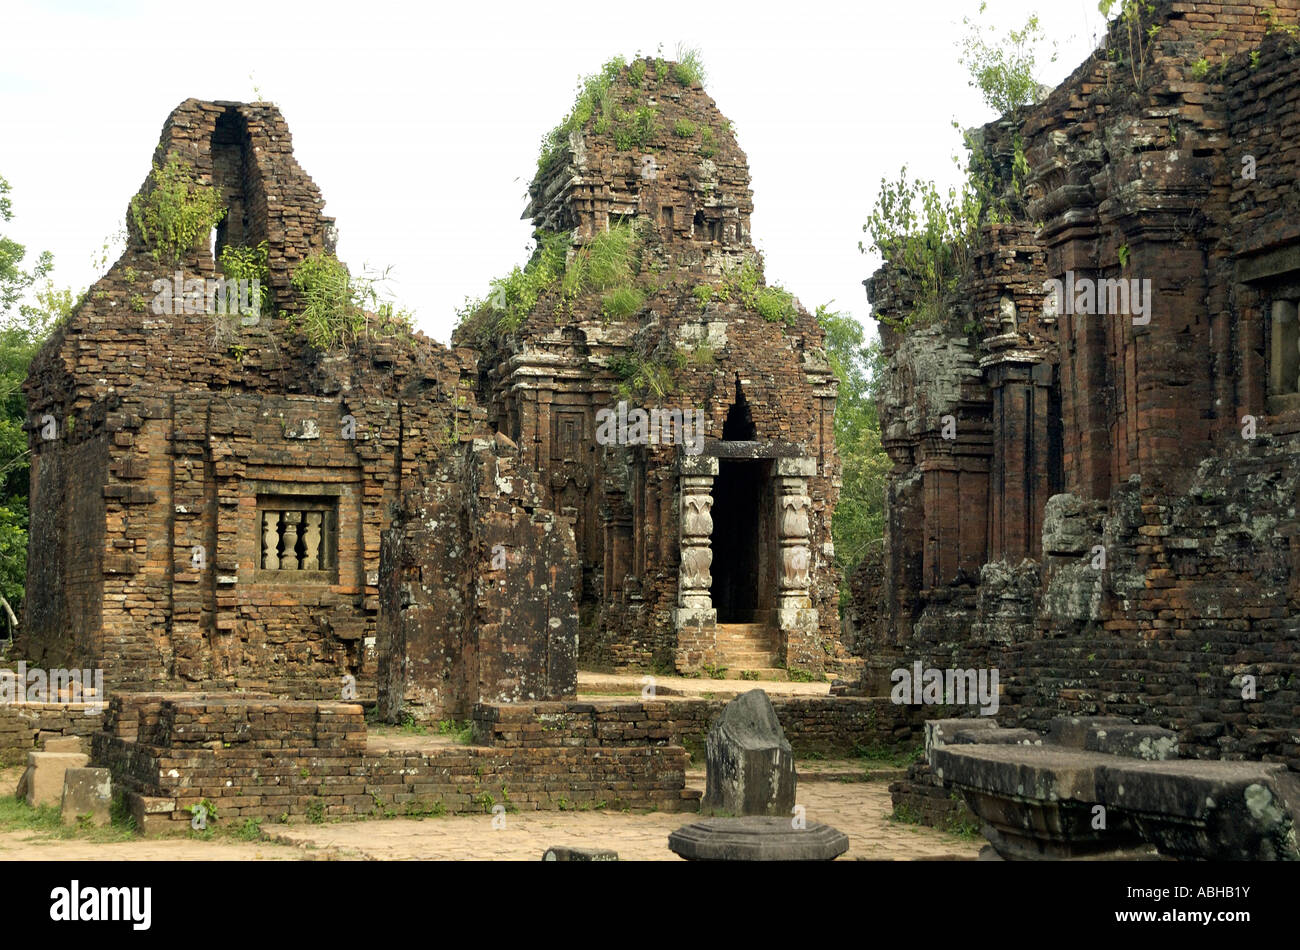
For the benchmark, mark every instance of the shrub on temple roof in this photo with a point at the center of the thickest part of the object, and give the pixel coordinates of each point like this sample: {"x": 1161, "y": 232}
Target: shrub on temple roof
{"x": 925, "y": 236}
{"x": 689, "y": 68}
{"x": 593, "y": 94}
{"x": 338, "y": 309}
{"x": 176, "y": 210}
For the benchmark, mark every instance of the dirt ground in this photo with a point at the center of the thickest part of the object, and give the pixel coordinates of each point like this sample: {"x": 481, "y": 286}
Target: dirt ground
{"x": 857, "y": 808}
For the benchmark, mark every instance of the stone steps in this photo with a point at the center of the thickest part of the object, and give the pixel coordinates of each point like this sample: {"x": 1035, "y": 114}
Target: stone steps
{"x": 747, "y": 647}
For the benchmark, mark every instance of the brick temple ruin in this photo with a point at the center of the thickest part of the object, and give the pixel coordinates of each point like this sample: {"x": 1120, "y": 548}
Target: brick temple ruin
{"x": 210, "y": 495}
{"x": 1102, "y": 504}
{"x": 218, "y": 505}
{"x": 712, "y": 555}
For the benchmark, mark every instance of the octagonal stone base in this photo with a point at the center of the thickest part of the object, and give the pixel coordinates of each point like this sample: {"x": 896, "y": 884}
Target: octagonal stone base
{"x": 757, "y": 839}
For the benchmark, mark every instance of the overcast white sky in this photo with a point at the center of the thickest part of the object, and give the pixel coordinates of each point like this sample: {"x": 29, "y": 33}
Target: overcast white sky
{"x": 420, "y": 122}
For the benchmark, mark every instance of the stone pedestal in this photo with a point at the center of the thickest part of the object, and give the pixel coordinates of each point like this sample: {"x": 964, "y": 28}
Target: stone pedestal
{"x": 757, "y": 839}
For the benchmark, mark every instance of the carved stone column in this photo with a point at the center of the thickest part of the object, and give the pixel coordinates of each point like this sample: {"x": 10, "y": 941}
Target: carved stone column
{"x": 795, "y": 615}
{"x": 696, "y": 620}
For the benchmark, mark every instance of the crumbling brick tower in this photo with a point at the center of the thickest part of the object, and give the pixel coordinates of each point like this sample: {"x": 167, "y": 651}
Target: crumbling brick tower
{"x": 208, "y": 490}
{"x": 714, "y": 556}
{"x": 1111, "y": 520}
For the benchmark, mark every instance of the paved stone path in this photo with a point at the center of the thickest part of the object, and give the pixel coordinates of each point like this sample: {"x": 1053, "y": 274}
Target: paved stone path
{"x": 859, "y": 809}
{"x": 605, "y": 685}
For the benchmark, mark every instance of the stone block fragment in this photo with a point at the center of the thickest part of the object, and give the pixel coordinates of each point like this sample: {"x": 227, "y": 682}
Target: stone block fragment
{"x": 44, "y": 778}
{"x": 750, "y": 767}
{"x": 87, "y": 791}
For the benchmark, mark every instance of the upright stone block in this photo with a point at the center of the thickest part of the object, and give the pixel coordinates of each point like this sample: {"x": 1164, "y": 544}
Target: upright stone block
{"x": 45, "y": 771}
{"x": 87, "y": 792}
{"x": 750, "y": 765}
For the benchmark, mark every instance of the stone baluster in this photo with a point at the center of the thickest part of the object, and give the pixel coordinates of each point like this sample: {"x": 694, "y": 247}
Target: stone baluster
{"x": 311, "y": 540}
{"x": 270, "y": 540}
{"x": 289, "y": 560}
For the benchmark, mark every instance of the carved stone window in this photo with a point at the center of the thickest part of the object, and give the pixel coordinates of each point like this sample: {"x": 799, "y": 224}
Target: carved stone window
{"x": 298, "y": 538}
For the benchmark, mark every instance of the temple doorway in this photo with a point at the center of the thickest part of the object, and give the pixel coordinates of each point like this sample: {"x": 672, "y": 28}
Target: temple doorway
{"x": 739, "y": 513}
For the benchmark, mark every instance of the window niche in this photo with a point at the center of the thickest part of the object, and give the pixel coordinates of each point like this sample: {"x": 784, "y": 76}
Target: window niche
{"x": 297, "y": 539}
{"x": 1284, "y": 355}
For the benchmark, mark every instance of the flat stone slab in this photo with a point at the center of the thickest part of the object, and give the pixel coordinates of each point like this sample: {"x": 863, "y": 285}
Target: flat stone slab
{"x": 1115, "y": 736}
{"x": 64, "y": 744}
{"x": 757, "y": 838}
{"x": 1188, "y": 808}
{"x": 579, "y": 854}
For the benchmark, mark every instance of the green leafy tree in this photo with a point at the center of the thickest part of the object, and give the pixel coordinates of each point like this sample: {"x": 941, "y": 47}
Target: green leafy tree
{"x": 23, "y": 328}
{"x": 859, "y": 519}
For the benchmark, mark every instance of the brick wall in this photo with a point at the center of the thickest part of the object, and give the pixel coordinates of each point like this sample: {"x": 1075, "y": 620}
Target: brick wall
{"x": 275, "y": 760}
{"x": 835, "y": 726}
{"x": 24, "y": 727}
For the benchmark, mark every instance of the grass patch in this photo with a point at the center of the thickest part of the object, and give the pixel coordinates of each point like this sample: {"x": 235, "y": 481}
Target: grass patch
{"x": 335, "y": 304}
{"x": 689, "y": 68}
{"x": 460, "y": 732}
{"x": 685, "y": 129}
{"x": 888, "y": 756}
{"x": 803, "y": 676}
{"x": 47, "y": 822}
{"x": 622, "y": 302}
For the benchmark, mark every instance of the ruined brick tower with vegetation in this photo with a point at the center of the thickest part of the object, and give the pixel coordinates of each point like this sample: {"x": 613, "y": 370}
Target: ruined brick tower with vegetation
{"x": 1094, "y": 481}
{"x": 646, "y": 290}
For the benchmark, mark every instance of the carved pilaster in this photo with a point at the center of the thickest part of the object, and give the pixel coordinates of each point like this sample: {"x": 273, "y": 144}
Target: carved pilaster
{"x": 696, "y": 618}
{"x": 796, "y": 617}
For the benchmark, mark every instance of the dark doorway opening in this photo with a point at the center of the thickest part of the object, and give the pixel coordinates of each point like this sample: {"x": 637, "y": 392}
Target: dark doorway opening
{"x": 738, "y": 515}
{"x": 739, "y": 424}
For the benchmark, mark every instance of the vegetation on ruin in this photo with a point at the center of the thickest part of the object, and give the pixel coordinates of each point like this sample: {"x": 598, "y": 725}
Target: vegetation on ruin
{"x": 641, "y": 376}
{"x": 1276, "y": 25}
{"x": 1003, "y": 71}
{"x": 250, "y": 264}
{"x": 689, "y": 68}
{"x": 622, "y": 302}
{"x": 609, "y": 265}
{"x": 593, "y": 99}
{"x": 340, "y": 309}
{"x": 744, "y": 284}
{"x": 1139, "y": 33}
{"x": 176, "y": 210}
{"x": 924, "y": 233}
{"x": 630, "y": 128}
{"x": 859, "y": 519}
